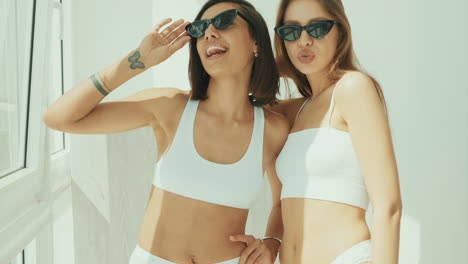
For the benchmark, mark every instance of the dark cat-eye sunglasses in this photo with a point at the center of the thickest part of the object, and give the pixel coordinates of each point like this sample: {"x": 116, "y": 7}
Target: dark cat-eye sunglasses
{"x": 221, "y": 21}
{"x": 317, "y": 30}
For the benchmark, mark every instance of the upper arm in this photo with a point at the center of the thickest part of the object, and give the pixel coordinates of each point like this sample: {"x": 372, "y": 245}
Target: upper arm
{"x": 370, "y": 132}
{"x": 135, "y": 111}
{"x": 277, "y": 130}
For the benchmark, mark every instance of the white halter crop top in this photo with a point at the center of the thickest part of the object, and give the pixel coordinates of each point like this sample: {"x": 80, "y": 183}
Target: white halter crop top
{"x": 320, "y": 163}
{"x": 184, "y": 172}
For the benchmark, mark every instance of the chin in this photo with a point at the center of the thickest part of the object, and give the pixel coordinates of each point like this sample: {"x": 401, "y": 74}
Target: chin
{"x": 222, "y": 70}
{"x": 217, "y": 73}
{"x": 307, "y": 69}
{"x": 310, "y": 68}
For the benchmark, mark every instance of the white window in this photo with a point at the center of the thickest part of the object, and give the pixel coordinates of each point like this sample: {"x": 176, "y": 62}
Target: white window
{"x": 18, "y": 259}
{"x": 32, "y": 173}
{"x": 27, "y": 256}
{"x": 16, "y": 29}
{"x": 56, "y": 89}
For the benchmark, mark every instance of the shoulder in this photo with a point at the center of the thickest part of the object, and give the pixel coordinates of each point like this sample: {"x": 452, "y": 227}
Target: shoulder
{"x": 353, "y": 85}
{"x": 276, "y": 130}
{"x": 160, "y": 99}
{"x": 356, "y": 93}
{"x": 164, "y": 103}
{"x": 158, "y": 93}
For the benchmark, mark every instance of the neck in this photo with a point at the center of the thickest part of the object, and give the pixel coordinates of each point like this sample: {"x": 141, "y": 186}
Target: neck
{"x": 319, "y": 82}
{"x": 228, "y": 97}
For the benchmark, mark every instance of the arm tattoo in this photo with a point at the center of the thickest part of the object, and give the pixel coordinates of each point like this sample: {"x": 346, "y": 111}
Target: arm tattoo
{"x": 98, "y": 85}
{"x": 134, "y": 63}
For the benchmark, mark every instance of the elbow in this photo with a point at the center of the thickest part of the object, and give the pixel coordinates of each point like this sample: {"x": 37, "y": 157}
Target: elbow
{"x": 390, "y": 210}
{"x": 51, "y": 122}
{"x": 276, "y": 207}
{"x": 48, "y": 121}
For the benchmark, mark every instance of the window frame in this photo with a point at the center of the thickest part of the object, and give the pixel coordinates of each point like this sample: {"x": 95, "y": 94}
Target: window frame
{"x": 45, "y": 177}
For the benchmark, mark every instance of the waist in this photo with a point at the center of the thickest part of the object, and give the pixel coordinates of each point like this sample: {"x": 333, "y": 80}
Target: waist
{"x": 317, "y": 221}
{"x": 181, "y": 229}
{"x": 318, "y": 231}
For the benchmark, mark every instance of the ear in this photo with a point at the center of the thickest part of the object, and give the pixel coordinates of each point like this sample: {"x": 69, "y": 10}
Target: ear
{"x": 255, "y": 50}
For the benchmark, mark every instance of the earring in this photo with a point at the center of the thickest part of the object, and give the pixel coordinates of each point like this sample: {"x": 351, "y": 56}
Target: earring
{"x": 252, "y": 98}
{"x": 256, "y": 55}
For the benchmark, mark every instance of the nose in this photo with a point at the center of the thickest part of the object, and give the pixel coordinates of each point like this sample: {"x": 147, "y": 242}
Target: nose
{"x": 211, "y": 32}
{"x": 305, "y": 39}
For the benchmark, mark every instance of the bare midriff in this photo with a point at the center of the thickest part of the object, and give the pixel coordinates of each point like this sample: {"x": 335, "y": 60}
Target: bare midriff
{"x": 317, "y": 231}
{"x": 185, "y": 230}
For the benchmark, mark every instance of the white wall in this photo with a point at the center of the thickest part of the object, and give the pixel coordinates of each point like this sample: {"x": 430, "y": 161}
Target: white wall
{"x": 174, "y": 71}
{"x": 111, "y": 174}
{"x": 418, "y": 51}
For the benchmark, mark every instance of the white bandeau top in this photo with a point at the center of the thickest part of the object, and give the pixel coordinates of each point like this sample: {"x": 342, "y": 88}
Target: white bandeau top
{"x": 320, "y": 163}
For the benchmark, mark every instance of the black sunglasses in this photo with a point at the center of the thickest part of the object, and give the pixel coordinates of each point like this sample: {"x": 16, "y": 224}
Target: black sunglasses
{"x": 317, "y": 30}
{"x": 221, "y": 21}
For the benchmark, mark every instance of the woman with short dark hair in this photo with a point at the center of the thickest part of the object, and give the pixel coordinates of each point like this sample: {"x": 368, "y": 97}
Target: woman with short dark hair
{"x": 214, "y": 142}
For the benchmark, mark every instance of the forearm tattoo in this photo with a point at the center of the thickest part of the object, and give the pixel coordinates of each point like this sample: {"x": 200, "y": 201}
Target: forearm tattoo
{"x": 98, "y": 85}
{"x": 134, "y": 63}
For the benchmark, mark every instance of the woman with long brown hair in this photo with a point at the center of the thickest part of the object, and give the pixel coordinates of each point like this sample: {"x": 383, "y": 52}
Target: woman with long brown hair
{"x": 339, "y": 155}
{"x": 214, "y": 142}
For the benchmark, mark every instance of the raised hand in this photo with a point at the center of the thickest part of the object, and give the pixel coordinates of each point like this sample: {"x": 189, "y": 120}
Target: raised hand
{"x": 157, "y": 46}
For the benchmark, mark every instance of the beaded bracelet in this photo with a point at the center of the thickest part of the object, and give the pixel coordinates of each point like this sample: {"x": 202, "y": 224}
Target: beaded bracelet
{"x": 275, "y": 238}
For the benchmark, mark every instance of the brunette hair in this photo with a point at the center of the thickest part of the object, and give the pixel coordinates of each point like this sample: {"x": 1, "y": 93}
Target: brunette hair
{"x": 264, "y": 79}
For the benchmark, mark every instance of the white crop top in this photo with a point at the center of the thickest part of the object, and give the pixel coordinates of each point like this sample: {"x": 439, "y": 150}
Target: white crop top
{"x": 184, "y": 172}
{"x": 320, "y": 163}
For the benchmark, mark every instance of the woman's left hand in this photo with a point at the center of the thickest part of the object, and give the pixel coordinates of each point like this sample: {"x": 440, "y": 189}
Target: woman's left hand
{"x": 256, "y": 251}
